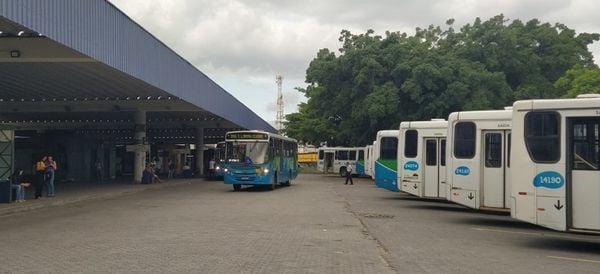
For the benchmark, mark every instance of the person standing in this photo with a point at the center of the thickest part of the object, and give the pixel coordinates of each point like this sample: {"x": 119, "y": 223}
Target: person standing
{"x": 40, "y": 169}
{"x": 348, "y": 174}
{"x": 49, "y": 173}
{"x": 171, "y": 167}
{"x": 99, "y": 171}
{"x": 211, "y": 168}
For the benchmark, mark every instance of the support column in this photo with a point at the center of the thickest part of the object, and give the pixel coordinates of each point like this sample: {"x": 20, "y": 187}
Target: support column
{"x": 112, "y": 161}
{"x": 200, "y": 151}
{"x": 139, "y": 161}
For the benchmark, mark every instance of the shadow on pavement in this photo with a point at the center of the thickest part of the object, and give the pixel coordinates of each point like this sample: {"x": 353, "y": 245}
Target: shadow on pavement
{"x": 497, "y": 223}
{"x": 260, "y": 188}
{"x": 583, "y": 245}
{"x": 441, "y": 207}
{"x": 418, "y": 199}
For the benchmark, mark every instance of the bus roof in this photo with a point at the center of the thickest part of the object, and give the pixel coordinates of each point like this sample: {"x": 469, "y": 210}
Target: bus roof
{"x": 341, "y": 148}
{"x": 387, "y": 133}
{"x": 271, "y": 135}
{"x": 424, "y": 124}
{"x": 553, "y": 104}
{"x": 481, "y": 115}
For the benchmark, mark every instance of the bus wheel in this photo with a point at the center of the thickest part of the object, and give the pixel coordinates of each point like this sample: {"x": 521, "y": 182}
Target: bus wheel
{"x": 274, "y": 184}
{"x": 237, "y": 187}
{"x": 289, "y": 181}
{"x": 343, "y": 171}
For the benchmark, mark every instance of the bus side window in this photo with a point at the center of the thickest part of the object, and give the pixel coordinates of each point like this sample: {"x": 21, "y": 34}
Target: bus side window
{"x": 542, "y": 136}
{"x": 464, "y": 140}
{"x": 411, "y": 139}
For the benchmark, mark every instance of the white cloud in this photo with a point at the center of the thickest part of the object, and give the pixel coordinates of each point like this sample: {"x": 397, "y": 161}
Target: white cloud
{"x": 243, "y": 44}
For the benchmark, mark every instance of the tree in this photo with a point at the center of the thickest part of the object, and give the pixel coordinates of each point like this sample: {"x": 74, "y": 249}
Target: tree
{"x": 375, "y": 82}
{"x": 579, "y": 80}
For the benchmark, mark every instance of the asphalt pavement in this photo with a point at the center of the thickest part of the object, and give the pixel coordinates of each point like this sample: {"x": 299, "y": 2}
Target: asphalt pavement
{"x": 317, "y": 225}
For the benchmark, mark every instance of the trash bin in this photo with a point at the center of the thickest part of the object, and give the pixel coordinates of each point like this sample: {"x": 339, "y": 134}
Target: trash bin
{"x": 5, "y": 191}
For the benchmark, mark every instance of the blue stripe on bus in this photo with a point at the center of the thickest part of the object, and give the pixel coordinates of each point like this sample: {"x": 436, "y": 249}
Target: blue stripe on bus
{"x": 360, "y": 169}
{"x": 385, "y": 177}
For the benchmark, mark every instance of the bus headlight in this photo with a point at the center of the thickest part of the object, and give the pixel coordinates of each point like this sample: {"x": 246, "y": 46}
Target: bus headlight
{"x": 265, "y": 171}
{"x": 226, "y": 170}
{"x": 218, "y": 168}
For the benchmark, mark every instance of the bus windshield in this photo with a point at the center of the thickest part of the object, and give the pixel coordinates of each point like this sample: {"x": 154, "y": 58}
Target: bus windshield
{"x": 253, "y": 152}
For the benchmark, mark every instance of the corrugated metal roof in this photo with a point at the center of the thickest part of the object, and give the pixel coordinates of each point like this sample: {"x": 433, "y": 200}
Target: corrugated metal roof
{"x": 99, "y": 30}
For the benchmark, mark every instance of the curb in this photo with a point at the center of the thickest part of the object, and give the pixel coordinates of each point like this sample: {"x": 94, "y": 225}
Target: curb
{"x": 15, "y": 209}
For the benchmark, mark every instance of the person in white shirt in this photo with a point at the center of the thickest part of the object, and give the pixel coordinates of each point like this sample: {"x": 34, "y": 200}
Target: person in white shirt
{"x": 211, "y": 168}
{"x": 348, "y": 173}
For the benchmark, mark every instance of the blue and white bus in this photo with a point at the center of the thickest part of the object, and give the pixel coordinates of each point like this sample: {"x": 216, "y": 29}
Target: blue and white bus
{"x": 386, "y": 159}
{"x": 259, "y": 158}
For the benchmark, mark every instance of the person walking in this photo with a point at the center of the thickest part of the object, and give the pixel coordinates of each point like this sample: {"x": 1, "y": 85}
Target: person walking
{"x": 40, "y": 169}
{"x": 348, "y": 174}
{"x": 49, "y": 173}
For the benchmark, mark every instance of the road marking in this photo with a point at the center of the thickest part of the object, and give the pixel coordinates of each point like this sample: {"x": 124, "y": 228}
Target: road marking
{"x": 574, "y": 259}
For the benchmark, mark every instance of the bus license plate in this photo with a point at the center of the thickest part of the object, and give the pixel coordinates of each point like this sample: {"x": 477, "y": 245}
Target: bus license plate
{"x": 245, "y": 178}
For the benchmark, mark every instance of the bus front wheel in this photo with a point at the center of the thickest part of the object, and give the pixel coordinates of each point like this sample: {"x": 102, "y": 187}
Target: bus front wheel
{"x": 274, "y": 183}
{"x": 237, "y": 187}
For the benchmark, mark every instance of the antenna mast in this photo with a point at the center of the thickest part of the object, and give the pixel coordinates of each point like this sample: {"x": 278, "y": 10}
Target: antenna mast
{"x": 279, "y": 117}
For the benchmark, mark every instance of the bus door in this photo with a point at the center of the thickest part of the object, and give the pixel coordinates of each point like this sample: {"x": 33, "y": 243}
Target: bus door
{"x": 433, "y": 172}
{"x": 495, "y": 170}
{"x": 328, "y": 167}
{"x": 585, "y": 173}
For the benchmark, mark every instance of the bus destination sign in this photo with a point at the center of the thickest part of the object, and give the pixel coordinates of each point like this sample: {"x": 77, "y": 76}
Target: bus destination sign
{"x": 247, "y": 136}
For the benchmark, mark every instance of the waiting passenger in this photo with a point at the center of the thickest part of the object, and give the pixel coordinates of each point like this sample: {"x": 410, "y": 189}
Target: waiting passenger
{"x": 147, "y": 175}
{"x": 18, "y": 185}
{"x": 171, "y": 167}
{"x": 49, "y": 173}
{"x": 40, "y": 168}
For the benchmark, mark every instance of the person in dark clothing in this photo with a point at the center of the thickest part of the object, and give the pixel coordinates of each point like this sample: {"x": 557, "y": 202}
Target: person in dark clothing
{"x": 40, "y": 170}
{"x": 18, "y": 185}
{"x": 349, "y": 174}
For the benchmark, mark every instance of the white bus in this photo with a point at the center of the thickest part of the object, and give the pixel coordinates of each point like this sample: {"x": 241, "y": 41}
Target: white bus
{"x": 556, "y": 163}
{"x": 422, "y": 158}
{"x": 335, "y": 159}
{"x": 478, "y": 158}
{"x": 369, "y": 160}
{"x": 386, "y": 159}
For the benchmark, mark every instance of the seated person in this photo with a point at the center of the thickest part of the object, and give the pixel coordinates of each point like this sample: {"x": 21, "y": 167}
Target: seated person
{"x": 147, "y": 175}
{"x": 18, "y": 185}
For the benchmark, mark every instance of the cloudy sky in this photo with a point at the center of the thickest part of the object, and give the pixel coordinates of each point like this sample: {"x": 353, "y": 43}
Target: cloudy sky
{"x": 243, "y": 44}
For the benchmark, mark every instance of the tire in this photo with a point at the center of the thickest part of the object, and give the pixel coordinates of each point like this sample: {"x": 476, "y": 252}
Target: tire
{"x": 289, "y": 181}
{"x": 237, "y": 187}
{"x": 343, "y": 171}
{"x": 273, "y": 185}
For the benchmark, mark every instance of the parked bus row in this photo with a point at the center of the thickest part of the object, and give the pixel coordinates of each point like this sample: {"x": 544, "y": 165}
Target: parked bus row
{"x": 540, "y": 159}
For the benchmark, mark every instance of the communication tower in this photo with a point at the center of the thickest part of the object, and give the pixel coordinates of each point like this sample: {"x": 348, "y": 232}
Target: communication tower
{"x": 279, "y": 117}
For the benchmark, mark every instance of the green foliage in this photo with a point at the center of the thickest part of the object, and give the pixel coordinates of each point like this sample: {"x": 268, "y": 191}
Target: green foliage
{"x": 579, "y": 80}
{"x": 375, "y": 82}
